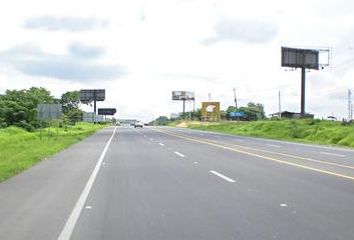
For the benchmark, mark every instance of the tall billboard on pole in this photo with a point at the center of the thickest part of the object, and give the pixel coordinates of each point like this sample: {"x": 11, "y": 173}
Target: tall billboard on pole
{"x": 89, "y": 95}
{"x": 183, "y": 95}
{"x": 303, "y": 59}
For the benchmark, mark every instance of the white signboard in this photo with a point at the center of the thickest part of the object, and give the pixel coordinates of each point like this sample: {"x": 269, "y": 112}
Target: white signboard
{"x": 49, "y": 111}
{"x": 91, "y": 117}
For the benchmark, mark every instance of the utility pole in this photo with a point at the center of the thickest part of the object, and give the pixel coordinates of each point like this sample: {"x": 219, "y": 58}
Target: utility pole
{"x": 303, "y": 77}
{"x": 235, "y": 99}
{"x": 190, "y": 111}
{"x": 279, "y": 99}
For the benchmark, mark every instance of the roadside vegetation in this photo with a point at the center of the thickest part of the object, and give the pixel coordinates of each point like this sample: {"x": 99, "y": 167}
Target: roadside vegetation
{"x": 305, "y": 130}
{"x": 25, "y": 140}
{"x": 21, "y": 149}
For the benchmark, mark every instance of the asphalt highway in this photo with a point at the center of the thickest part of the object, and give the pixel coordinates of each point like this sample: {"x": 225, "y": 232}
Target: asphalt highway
{"x": 161, "y": 183}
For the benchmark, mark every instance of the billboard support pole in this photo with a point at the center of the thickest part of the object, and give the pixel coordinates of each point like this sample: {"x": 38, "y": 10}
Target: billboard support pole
{"x": 303, "y": 77}
{"x": 279, "y": 99}
{"x": 94, "y": 101}
{"x": 184, "y": 107}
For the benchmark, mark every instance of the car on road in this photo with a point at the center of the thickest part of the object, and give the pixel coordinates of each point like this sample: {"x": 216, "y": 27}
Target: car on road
{"x": 138, "y": 124}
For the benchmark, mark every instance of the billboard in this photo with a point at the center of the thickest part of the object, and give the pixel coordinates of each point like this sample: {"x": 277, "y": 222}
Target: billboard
{"x": 91, "y": 117}
{"x": 175, "y": 115}
{"x": 49, "y": 111}
{"x": 298, "y": 58}
{"x": 210, "y": 111}
{"x": 237, "y": 114}
{"x": 89, "y": 95}
{"x": 182, "y": 95}
{"x": 106, "y": 111}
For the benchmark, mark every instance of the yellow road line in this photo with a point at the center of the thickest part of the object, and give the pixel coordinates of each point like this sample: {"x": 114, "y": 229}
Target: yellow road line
{"x": 276, "y": 153}
{"x": 257, "y": 155}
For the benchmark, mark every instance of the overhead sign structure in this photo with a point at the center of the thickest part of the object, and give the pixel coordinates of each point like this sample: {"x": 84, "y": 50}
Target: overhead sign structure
{"x": 49, "y": 111}
{"x": 92, "y": 95}
{"x": 210, "y": 111}
{"x": 182, "y": 96}
{"x": 304, "y": 59}
{"x": 106, "y": 111}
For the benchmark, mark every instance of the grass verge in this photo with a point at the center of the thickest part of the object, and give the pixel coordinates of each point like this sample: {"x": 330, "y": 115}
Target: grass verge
{"x": 21, "y": 149}
{"x": 307, "y": 130}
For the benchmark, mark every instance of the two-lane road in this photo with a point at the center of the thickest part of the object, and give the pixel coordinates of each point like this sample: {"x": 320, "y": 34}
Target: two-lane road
{"x": 169, "y": 183}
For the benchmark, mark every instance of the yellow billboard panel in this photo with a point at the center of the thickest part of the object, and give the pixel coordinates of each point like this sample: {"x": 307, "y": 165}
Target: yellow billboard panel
{"x": 210, "y": 111}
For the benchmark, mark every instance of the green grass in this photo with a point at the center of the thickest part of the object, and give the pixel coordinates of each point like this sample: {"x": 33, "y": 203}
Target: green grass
{"x": 21, "y": 149}
{"x": 308, "y": 131}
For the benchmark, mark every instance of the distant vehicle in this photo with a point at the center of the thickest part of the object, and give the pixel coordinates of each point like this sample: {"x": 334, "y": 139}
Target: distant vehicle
{"x": 138, "y": 124}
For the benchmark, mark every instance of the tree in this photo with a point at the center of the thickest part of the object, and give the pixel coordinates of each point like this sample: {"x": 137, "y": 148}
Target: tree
{"x": 19, "y": 107}
{"x": 258, "y": 109}
{"x": 70, "y": 102}
{"x": 231, "y": 109}
{"x": 162, "y": 120}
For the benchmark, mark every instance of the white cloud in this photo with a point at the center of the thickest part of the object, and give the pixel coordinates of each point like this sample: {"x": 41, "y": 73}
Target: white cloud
{"x": 70, "y": 24}
{"x": 160, "y": 44}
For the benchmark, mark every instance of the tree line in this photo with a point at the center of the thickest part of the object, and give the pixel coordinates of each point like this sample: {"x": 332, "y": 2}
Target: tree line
{"x": 19, "y": 107}
{"x": 252, "y": 112}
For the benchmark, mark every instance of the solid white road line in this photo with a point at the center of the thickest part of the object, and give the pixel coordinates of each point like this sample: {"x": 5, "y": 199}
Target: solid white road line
{"x": 161, "y": 144}
{"x": 222, "y": 176}
{"x": 75, "y": 214}
{"x": 179, "y": 154}
{"x": 272, "y": 145}
{"x": 333, "y": 154}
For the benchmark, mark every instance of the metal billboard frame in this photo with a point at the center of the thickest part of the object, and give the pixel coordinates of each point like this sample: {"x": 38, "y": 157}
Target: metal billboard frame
{"x": 89, "y": 95}
{"x": 183, "y": 96}
{"x": 299, "y": 58}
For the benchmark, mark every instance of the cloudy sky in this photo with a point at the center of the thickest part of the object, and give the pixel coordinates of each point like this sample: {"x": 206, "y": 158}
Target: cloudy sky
{"x": 140, "y": 51}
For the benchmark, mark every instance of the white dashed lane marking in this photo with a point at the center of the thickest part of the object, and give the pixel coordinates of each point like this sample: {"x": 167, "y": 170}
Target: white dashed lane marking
{"x": 179, "y": 154}
{"x": 222, "y": 176}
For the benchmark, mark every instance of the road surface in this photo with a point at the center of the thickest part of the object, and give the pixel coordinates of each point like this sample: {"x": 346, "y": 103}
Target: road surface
{"x": 161, "y": 183}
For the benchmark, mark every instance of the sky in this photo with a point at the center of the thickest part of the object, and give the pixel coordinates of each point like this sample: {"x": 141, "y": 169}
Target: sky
{"x": 140, "y": 51}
